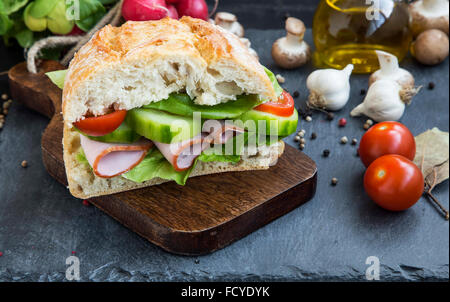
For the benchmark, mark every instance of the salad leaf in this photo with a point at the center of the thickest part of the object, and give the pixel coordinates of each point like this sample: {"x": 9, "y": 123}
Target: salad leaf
{"x": 11, "y": 6}
{"x": 205, "y": 157}
{"x": 5, "y": 23}
{"x": 156, "y": 165}
{"x": 41, "y": 8}
{"x": 273, "y": 79}
{"x": 57, "y": 77}
{"x": 106, "y": 2}
{"x": 91, "y": 11}
{"x": 182, "y": 104}
{"x": 25, "y": 38}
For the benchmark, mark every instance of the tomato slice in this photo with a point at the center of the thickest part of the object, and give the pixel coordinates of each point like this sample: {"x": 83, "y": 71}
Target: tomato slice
{"x": 283, "y": 107}
{"x": 101, "y": 125}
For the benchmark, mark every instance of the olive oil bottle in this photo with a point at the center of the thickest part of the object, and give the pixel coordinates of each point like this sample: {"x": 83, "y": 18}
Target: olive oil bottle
{"x": 349, "y": 32}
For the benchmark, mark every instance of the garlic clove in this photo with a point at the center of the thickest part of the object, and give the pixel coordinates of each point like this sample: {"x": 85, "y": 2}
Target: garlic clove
{"x": 390, "y": 70}
{"x": 382, "y": 102}
{"x": 329, "y": 88}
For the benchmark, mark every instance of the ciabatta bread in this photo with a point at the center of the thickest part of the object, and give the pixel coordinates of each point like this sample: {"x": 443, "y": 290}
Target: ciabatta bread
{"x": 143, "y": 62}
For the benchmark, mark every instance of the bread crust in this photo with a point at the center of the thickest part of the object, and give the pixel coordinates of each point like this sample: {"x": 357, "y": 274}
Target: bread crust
{"x": 84, "y": 184}
{"x": 203, "y": 44}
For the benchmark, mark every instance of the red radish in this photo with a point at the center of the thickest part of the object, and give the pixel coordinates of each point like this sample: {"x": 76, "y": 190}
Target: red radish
{"x": 172, "y": 1}
{"x": 144, "y": 10}
{"x": 76, "y": 31}
{"x": 172, "y": 12}
{"x": 193, "y": 8}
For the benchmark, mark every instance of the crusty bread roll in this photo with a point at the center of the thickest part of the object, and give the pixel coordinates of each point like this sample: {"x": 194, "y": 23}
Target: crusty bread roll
{"x": 143, "y": 62}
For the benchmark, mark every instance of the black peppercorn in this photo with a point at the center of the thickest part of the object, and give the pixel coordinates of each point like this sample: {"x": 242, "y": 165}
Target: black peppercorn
{"x": 326, "y": 153}
{"x": 296, "y": 94}
{"x": 313, "y": 135}
{"x": 431, "y": 85}
{"x": 330, "y": 116}
{"x": 363, "y": 92}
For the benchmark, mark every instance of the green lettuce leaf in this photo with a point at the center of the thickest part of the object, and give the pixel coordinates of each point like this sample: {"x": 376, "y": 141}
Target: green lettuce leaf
{"x": 57, "y": 77}
{"x": 273, "y": 79}
{"x": 182, "y": 104}
{"x": 91, "y": 11}
{"x": 206, "y": 157}
{"x": 10, "y": 6}
{"x": 156, "y": 165}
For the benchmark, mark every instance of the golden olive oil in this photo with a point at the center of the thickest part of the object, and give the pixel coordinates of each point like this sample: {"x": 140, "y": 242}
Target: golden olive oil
{"x": 349, "y": 32}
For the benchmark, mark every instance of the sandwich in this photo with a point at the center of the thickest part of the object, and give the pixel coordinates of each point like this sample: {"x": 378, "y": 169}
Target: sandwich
{"x": 157, "y": 101}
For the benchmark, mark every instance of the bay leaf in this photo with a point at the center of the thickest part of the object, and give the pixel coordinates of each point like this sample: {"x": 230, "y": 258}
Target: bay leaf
{"x": 432, "y": 155}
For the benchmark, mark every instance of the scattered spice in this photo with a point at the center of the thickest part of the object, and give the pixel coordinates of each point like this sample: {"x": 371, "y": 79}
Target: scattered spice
{"x": 369, "y": 122}
{"x": 24, "y": 164}
{"x": 86, "y": 203}
{"x": 302, "y": 146}
{"x": 296, "y": 94}
{"x": 431, "y": 85}
{"x": 308, "y": 118}
{"x": 354, "y": 141}
{"x": 4, "y": 96}
{"x": 344, "y": 140}
{"x": 432, "y": 157}
{"x": 326, "y": 153}
{"x": 313, "y": 135}
{"x": 366, "y": 126}
{"x": 330, "y": 116}
{"x": 297, "y": 138}
{"x": 280, "y": 79}
{"x": 1, "y": 254}
{"x": 73, "y": 252}
{"x": 363, "y": 92}
{"x": 342, "y": 122}
{"x": 302, "y": 141}
{"x": 196, "y": 261}
{"x": 334, "y": 181}
{"x": 357, "y": 153}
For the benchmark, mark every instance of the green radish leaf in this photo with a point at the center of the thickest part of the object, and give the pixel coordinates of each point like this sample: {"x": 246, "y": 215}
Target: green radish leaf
{"x": 106, "y": 2}
{"x": 25, "y": 38}
{"x": 11, "y": 6}
{"x": 91, "y": 11}
{"x": 5, "y": 24}
{"x": 41, "y": 8}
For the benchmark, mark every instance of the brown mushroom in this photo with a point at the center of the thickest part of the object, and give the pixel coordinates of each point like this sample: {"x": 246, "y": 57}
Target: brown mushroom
{"x": 291, "y": 51}
{"x": 229, "y": 22}
{"x": 428, "y": 14}
{"x": 431, "y": 47}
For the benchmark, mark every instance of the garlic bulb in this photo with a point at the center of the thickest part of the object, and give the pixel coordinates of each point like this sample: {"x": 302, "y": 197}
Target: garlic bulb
{"x": 389, "y": 70}
{"x": 329, "y": 88}
{"x": 383, "y": 102}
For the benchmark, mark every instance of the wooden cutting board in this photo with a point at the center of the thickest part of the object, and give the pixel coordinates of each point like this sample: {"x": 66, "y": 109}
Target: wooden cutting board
{"x": 207, "y": 214}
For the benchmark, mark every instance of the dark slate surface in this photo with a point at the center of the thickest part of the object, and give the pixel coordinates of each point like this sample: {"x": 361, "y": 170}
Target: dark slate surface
{"x": 329, "y": 238}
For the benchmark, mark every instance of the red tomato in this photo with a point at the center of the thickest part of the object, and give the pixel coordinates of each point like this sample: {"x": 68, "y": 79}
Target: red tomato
{"x": 386, "y": 138}
{"x": 394, "y": 182}
{"x": 101, "y": 125}
{"x": 284, "y": 106}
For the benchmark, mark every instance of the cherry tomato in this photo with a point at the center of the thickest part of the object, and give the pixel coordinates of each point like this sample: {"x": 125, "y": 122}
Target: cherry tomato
{"x": 101, "y": 125}
{"x": 283, "y": 107}
{"x": 394, "y": 182}
{"x": 386, "y": 138}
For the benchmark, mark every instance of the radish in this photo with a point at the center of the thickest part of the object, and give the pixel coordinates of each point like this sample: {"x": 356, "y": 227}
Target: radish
{"x": 172, "y": 11}
{"x": 76, "y": 31}
{"x": 193, "y": 8}
{"x": 172, "y": 1}
{"x": 144, "y": 10}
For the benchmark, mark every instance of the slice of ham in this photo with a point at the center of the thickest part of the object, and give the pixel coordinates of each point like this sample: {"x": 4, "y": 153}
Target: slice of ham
{"x": 109, "y": 160}
{"x": 183, "y": 154}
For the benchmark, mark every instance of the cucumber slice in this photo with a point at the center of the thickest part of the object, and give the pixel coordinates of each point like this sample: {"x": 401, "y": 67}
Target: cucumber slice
{"x": 274, "y": 125}
{"x": 161, "y": 126}
{"x": 124, "y": 134}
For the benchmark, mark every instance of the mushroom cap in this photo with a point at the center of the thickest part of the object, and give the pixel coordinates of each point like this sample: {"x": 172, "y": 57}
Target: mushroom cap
{"x": 290, "y": 56}
{"x": 295, "y": 26}
{"x": 225, "y": 17}
{"x": 431, "y": 47}
{"x": 421, "y": 20}
{"x": 403, "y": 77}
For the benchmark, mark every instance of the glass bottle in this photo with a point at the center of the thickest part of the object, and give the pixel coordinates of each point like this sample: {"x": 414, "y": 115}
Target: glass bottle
{"x": 349, "y": 31}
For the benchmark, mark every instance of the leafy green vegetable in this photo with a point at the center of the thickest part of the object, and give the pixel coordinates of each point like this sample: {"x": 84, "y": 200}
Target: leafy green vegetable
{"x": 156, "y": 165}
{"x": 11, "y": 6}
{"x": 182, "y": 104}
{"x": 205, "y": 157}
{"x": 57, "y": 77}
{"x": 25, "y": 38}
{"x": 41, "y": 8}
{"x": 91, "y": 11}
{"x": 273, "y": 79}
{"x": 5, "y": 23}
